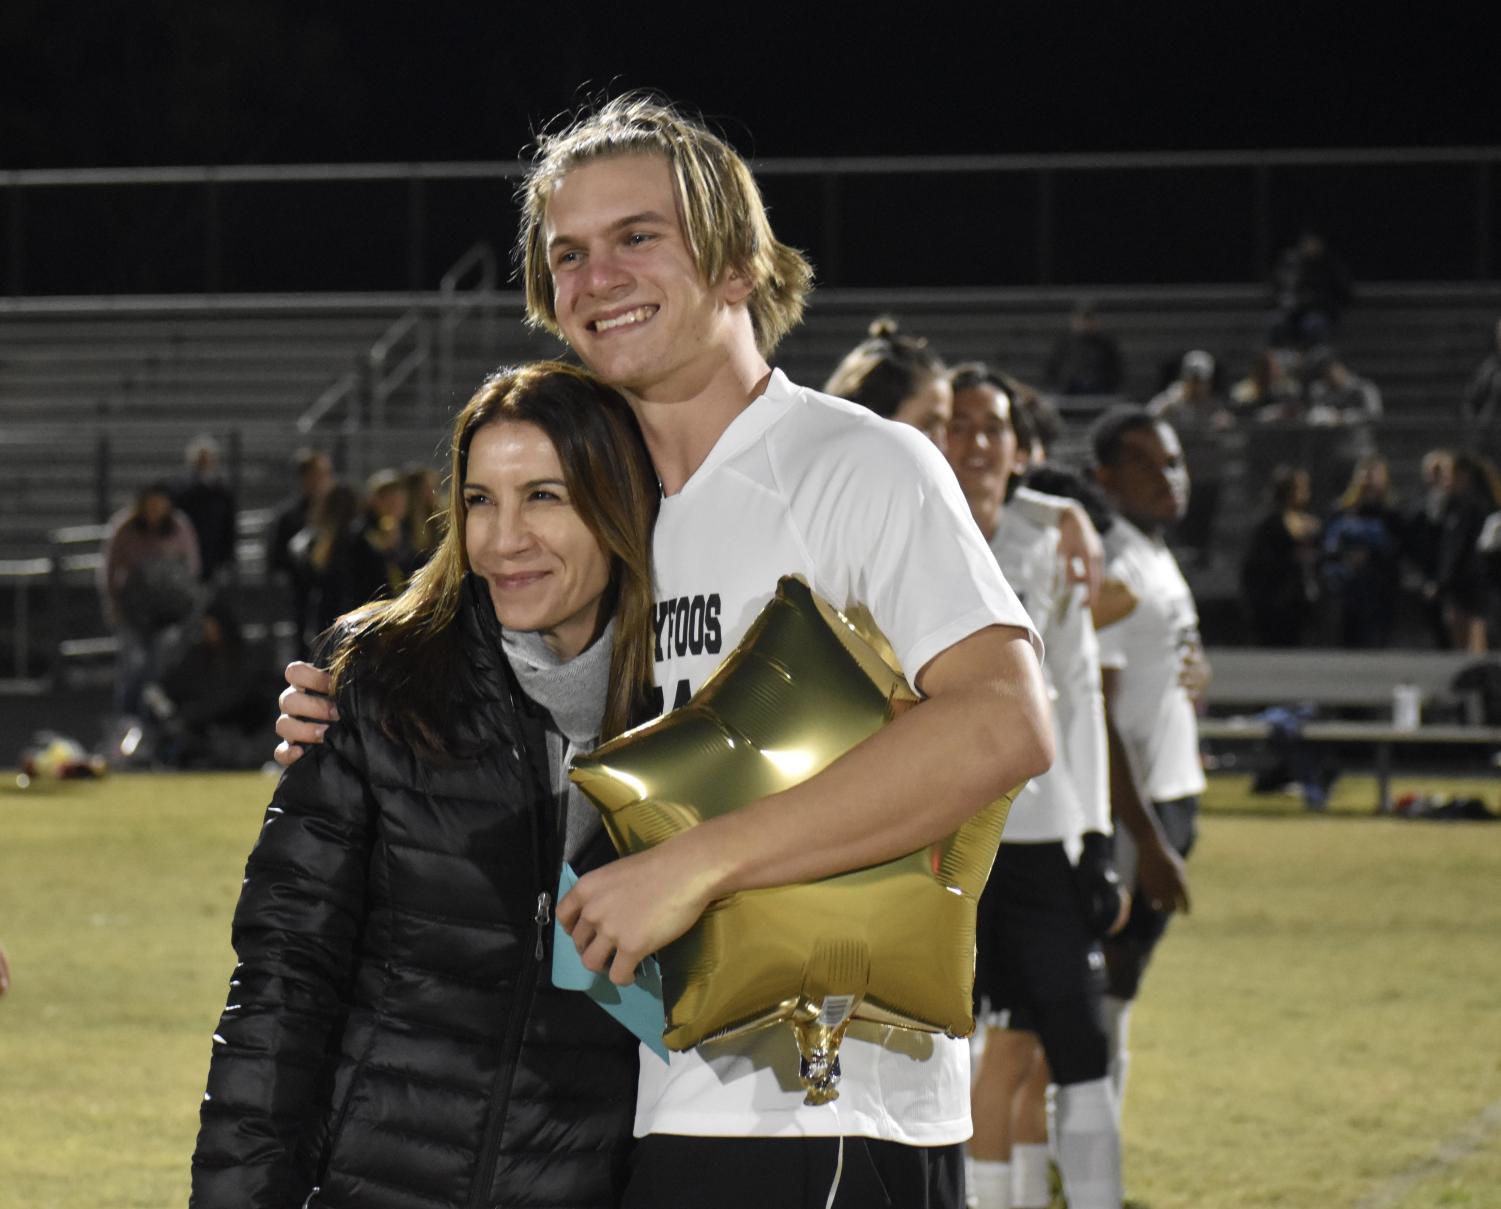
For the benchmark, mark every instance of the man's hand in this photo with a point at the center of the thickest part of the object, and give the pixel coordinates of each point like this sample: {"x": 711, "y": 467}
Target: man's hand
{"x": 623, "y": 912}
{"x": 1162, "y": 877}
{"x": 1081, "y": 549}
{"x": 306, "y": 711}
{"x": 1195, "y": 674}
{"x": 4, "y": 971}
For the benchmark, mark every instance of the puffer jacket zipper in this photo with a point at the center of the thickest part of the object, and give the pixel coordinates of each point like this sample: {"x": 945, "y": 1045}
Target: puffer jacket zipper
{"x": 484, "y": 1177}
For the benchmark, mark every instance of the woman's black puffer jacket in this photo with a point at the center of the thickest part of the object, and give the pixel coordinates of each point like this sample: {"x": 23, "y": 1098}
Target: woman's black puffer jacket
{"x": 392, "y": 1039}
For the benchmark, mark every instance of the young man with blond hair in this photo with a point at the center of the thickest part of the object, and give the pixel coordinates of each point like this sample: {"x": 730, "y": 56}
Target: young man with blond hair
{"x": 645, "y": 245}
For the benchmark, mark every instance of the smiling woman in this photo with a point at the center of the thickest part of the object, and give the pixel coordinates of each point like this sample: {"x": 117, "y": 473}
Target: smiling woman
{"x": 556, "y": 498}
{"x": 546, "y": 571}
{"x": 392, "y": 1035}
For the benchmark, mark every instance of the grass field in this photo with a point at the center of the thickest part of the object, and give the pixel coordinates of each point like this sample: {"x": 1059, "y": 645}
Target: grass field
{"x": 1323, "y": 1031}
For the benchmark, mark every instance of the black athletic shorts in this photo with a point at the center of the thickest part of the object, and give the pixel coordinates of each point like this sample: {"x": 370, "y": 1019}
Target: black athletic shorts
{"x": 669, "y": 1171}
{"x": 1129, "y": 950}
{"x": 1039, "y": 966}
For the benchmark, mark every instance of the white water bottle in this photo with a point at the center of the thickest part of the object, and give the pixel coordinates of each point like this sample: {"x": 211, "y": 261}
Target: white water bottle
{"x": 1407, "y": 702}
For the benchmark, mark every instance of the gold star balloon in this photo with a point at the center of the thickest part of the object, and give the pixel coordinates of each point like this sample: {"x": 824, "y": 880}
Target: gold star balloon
{"x": 893, "y": 944}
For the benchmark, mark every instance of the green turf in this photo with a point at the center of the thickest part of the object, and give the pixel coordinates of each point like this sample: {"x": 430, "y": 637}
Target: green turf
{"x": 1326, "y": 1017}
{"x": 1314, "y": 1034}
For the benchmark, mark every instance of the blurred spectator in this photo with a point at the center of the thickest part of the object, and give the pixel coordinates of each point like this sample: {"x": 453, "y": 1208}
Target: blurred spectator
{"x": 1460, "y": 580}
{"x": 1480, "y": 408}
{"x": 201, "y": 494}
{"x": 1194, "y": 409}
{"x": 1279, "y": 573}
{"x": 211, "y": 705}
{"x": 321, "y": 554}
{"x": 4, "y": 971}
{"x": 381, "y": 556}
{"x": 1421, "y": 527}
{"x": 1333, "y": 395}
{"x": 148, "y": 584}
{"x": 315, "y": 477}
{"x": 1192, "y": 400}
{"x": 424, "y": 519}
{"x": 1271, "y": 391}
{"x": 1085, "y": 360}
{"x": 1310, "y": 287}
{"x": 1362, "y": 542}
{"x": 898, "y": 377}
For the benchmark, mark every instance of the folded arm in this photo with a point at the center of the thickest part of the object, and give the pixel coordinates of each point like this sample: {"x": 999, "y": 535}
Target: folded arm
{"x": 983, "y": 729}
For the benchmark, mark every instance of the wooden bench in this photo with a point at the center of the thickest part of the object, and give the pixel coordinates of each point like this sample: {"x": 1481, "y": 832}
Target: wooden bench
{"x": 1248, "y": 679}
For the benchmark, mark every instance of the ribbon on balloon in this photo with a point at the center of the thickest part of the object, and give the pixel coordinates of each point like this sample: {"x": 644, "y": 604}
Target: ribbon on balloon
{"x": 893, "y": 944}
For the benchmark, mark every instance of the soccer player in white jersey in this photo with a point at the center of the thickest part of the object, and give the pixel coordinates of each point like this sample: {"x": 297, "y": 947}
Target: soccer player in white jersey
{"x": 645, "y": 245}
{"x": 1154, "y": 666}
{"x": 1040, "y": 974}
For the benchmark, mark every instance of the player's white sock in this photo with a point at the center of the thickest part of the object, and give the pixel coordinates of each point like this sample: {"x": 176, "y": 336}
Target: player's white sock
{"x": 1089, "y": 1145}
{"x": 1029, "y": 1176}
{"x": 1118, "y": 1026}
{"x": 992, "y": 1184}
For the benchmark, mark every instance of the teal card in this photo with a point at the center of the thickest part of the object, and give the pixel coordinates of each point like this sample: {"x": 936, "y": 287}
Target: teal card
{"x": 638, "y": 1006}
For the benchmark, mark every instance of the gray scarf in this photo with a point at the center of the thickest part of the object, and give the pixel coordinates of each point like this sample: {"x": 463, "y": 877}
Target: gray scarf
{"x": 573, "y": 694}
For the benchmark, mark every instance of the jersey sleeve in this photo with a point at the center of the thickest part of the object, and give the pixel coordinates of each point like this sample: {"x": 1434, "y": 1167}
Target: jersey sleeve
{"x": 1074, "y": 663}
{"x": 905, "y": 545}
{"x": 1115, "y": 639}
{"x": 1041, "y": 509}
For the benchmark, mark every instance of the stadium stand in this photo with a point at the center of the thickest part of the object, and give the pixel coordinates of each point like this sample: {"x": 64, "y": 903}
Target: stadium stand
{"x": 98, "y": 397}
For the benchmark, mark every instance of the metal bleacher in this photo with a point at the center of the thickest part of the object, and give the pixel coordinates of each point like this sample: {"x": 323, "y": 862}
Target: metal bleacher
{"x": 98, "y": 396}
{"x": 81, "y": 385}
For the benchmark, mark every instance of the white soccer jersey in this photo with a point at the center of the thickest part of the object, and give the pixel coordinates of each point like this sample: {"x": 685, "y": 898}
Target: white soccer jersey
{"x": 1153, "y": 711}
{"x": 1074, "y": 795}
{"x": 869, "y": 513}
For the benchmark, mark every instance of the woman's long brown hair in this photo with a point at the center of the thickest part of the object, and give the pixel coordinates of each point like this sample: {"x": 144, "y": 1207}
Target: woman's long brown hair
{"x": 408, "y": 646}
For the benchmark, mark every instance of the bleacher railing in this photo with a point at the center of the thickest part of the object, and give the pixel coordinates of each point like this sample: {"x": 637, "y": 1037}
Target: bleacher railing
{"x": 1396, "y": 213}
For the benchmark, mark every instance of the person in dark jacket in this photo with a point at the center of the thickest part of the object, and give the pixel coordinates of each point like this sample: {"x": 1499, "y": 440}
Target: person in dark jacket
{"x": 202, "y": 495}
{"x": 321, "y": 557}
{"x": 1460, "y": 571}
{"x": 1362, "y": 545}
{"x": 1278, "y": 576}
{"x": 392, "y": 1039}
{"x": 315, "y": 479}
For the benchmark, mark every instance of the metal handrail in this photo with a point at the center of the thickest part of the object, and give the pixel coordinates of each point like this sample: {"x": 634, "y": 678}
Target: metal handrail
{"x": 830, "y": 174}
{"x": 385, "y": 382}
{"x": 343, "y": 388}
{"x": 845, "y": 165}
{"x": 480, "y": 255}
{"x": 454, "y": 309}
{"x": 20, "y": 571}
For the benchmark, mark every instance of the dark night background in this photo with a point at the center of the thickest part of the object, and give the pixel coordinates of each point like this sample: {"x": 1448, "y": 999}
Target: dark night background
{"x": 138, "y": 82}
{"x": 114, "y": 83}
